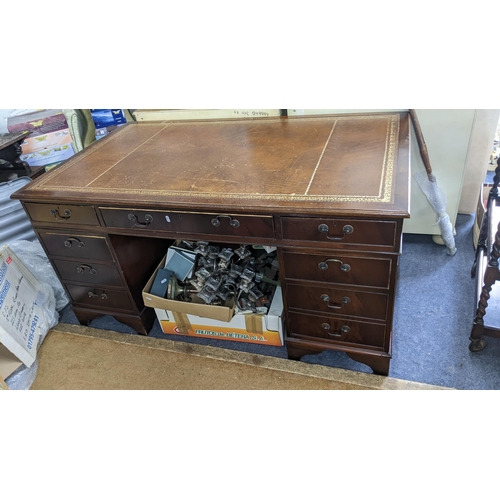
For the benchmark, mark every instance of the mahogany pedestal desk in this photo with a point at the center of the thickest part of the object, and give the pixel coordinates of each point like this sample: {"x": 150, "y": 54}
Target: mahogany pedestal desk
{"x": 329, "y": 192}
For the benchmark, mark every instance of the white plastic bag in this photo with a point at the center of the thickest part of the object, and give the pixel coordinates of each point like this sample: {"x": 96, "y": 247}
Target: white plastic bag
{"x": 34, "y": 258}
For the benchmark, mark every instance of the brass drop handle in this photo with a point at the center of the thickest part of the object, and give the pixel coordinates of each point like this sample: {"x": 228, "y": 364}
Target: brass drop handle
{"x": 103, "y": 296}
{"x": 345, "y": 329}
{"x": 81, "y": 269}
{"x": 345, "y": 300}
{"x": 55, "y": 212}
{"x": 70, "y": 241}
{"x": 232, "y": 222}
{"x": 147, "y": 220}
{"x": 343, "y": 267}
{"x": 347, "y": 229}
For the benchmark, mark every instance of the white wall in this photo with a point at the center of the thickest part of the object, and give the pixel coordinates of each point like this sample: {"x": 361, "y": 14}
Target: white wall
{"x": 478, "y": 156}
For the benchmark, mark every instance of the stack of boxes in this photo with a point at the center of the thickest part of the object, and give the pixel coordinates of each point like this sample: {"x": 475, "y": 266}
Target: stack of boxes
{"x": 50, "y": 141}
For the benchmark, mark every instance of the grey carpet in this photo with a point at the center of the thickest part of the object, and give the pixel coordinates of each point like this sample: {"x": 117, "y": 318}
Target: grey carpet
{"x": 433, "y": 316}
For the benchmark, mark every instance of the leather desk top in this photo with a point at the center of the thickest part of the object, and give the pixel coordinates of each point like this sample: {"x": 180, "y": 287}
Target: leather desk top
{"x": 350, "y": 164}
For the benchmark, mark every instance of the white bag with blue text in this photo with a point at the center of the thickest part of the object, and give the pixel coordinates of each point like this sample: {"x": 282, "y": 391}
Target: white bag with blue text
{"x": 27, "y": 308}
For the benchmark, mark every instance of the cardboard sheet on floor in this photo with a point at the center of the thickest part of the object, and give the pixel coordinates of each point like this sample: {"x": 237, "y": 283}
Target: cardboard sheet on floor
{"x": 8, "y": 362}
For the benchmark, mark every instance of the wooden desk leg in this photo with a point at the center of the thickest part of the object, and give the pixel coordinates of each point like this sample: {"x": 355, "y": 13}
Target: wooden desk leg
{"x": 379, "y": 365}
{"x": 142, "y": 324}
{"x": 477, "y": 343}
{"x": 490, "y": 275}
{"x": 296, "y": 352}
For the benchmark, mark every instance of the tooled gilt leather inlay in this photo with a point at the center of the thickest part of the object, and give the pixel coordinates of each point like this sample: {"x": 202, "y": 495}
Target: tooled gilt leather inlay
{"x": 384, "y": 194}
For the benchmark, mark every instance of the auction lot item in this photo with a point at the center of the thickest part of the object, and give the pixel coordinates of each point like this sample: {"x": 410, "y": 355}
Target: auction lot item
{"x": 329, "y": 192}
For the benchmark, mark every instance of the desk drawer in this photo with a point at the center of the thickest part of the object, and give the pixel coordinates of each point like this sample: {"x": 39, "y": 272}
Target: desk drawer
{"x": 190, "y": 222}
{"x": 336, "y": 330}
{"x": 62, "y": 214}
{"x": 326, "y": 299}
{"x": 76, "y": 245}
{"x": 91, "y": 273}
{"x": 339, "y": 268}
{"x": 104, "y": 298}
{"x": 344, "y": 232}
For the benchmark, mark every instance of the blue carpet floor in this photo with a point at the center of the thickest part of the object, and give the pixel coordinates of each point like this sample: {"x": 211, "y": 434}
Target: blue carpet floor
{"x": 434, "y": 310}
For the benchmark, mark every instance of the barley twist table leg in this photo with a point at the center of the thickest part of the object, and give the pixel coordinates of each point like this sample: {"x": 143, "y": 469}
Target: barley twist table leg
{"x": 490, "y": 276}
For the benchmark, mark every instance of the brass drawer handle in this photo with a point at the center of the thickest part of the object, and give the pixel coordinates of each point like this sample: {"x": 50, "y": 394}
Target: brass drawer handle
{"x": 69, "y": 242}
{"x": 103, "y": 296}
{"x": 345, "y": 329}
{"x": 81, "y": 269}
{"x": 147, "y": 220}
{"x": 345, "y": 300}
{"x": 232, "y": 222}
{"x": 343, "y": 267}
{"x": 55, "y": 212}
{"x": 347, "y": 229}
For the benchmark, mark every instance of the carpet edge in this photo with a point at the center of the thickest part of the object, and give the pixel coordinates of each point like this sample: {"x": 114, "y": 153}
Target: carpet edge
{"x": 362, "y": 380}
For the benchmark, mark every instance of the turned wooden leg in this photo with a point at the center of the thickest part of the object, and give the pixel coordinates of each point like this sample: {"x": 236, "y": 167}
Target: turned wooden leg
{"x": 491, "y": 272}
{"x": 476, "y": 342}
{"x": 490, "y": 275}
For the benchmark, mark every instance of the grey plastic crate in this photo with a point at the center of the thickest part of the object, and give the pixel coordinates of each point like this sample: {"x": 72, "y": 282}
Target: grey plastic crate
{"x": 14, "y": 223}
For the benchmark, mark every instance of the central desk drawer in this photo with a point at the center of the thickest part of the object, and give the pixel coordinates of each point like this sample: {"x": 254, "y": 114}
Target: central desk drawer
{"x": 339, "y": 268}
{"x": 100, "y": 297}
{"x": 76, "y": 245}
{"x": 258, "y": 226}
{"x": 326, "y": 299}
{"x": 90, "y": 273}
{"x": 62, "y": 214}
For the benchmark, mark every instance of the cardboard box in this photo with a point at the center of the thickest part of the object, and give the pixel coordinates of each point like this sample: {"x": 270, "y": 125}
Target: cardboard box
{"x": 22, "y": 319}
{"x": 38, "y": 122}
{"x": 44, "y": 157}
{"x": 46, "y": 141}
{"x": 108, "y": 117}
{"x": 219, "y": 313}
{"x": 253, "y": 328}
